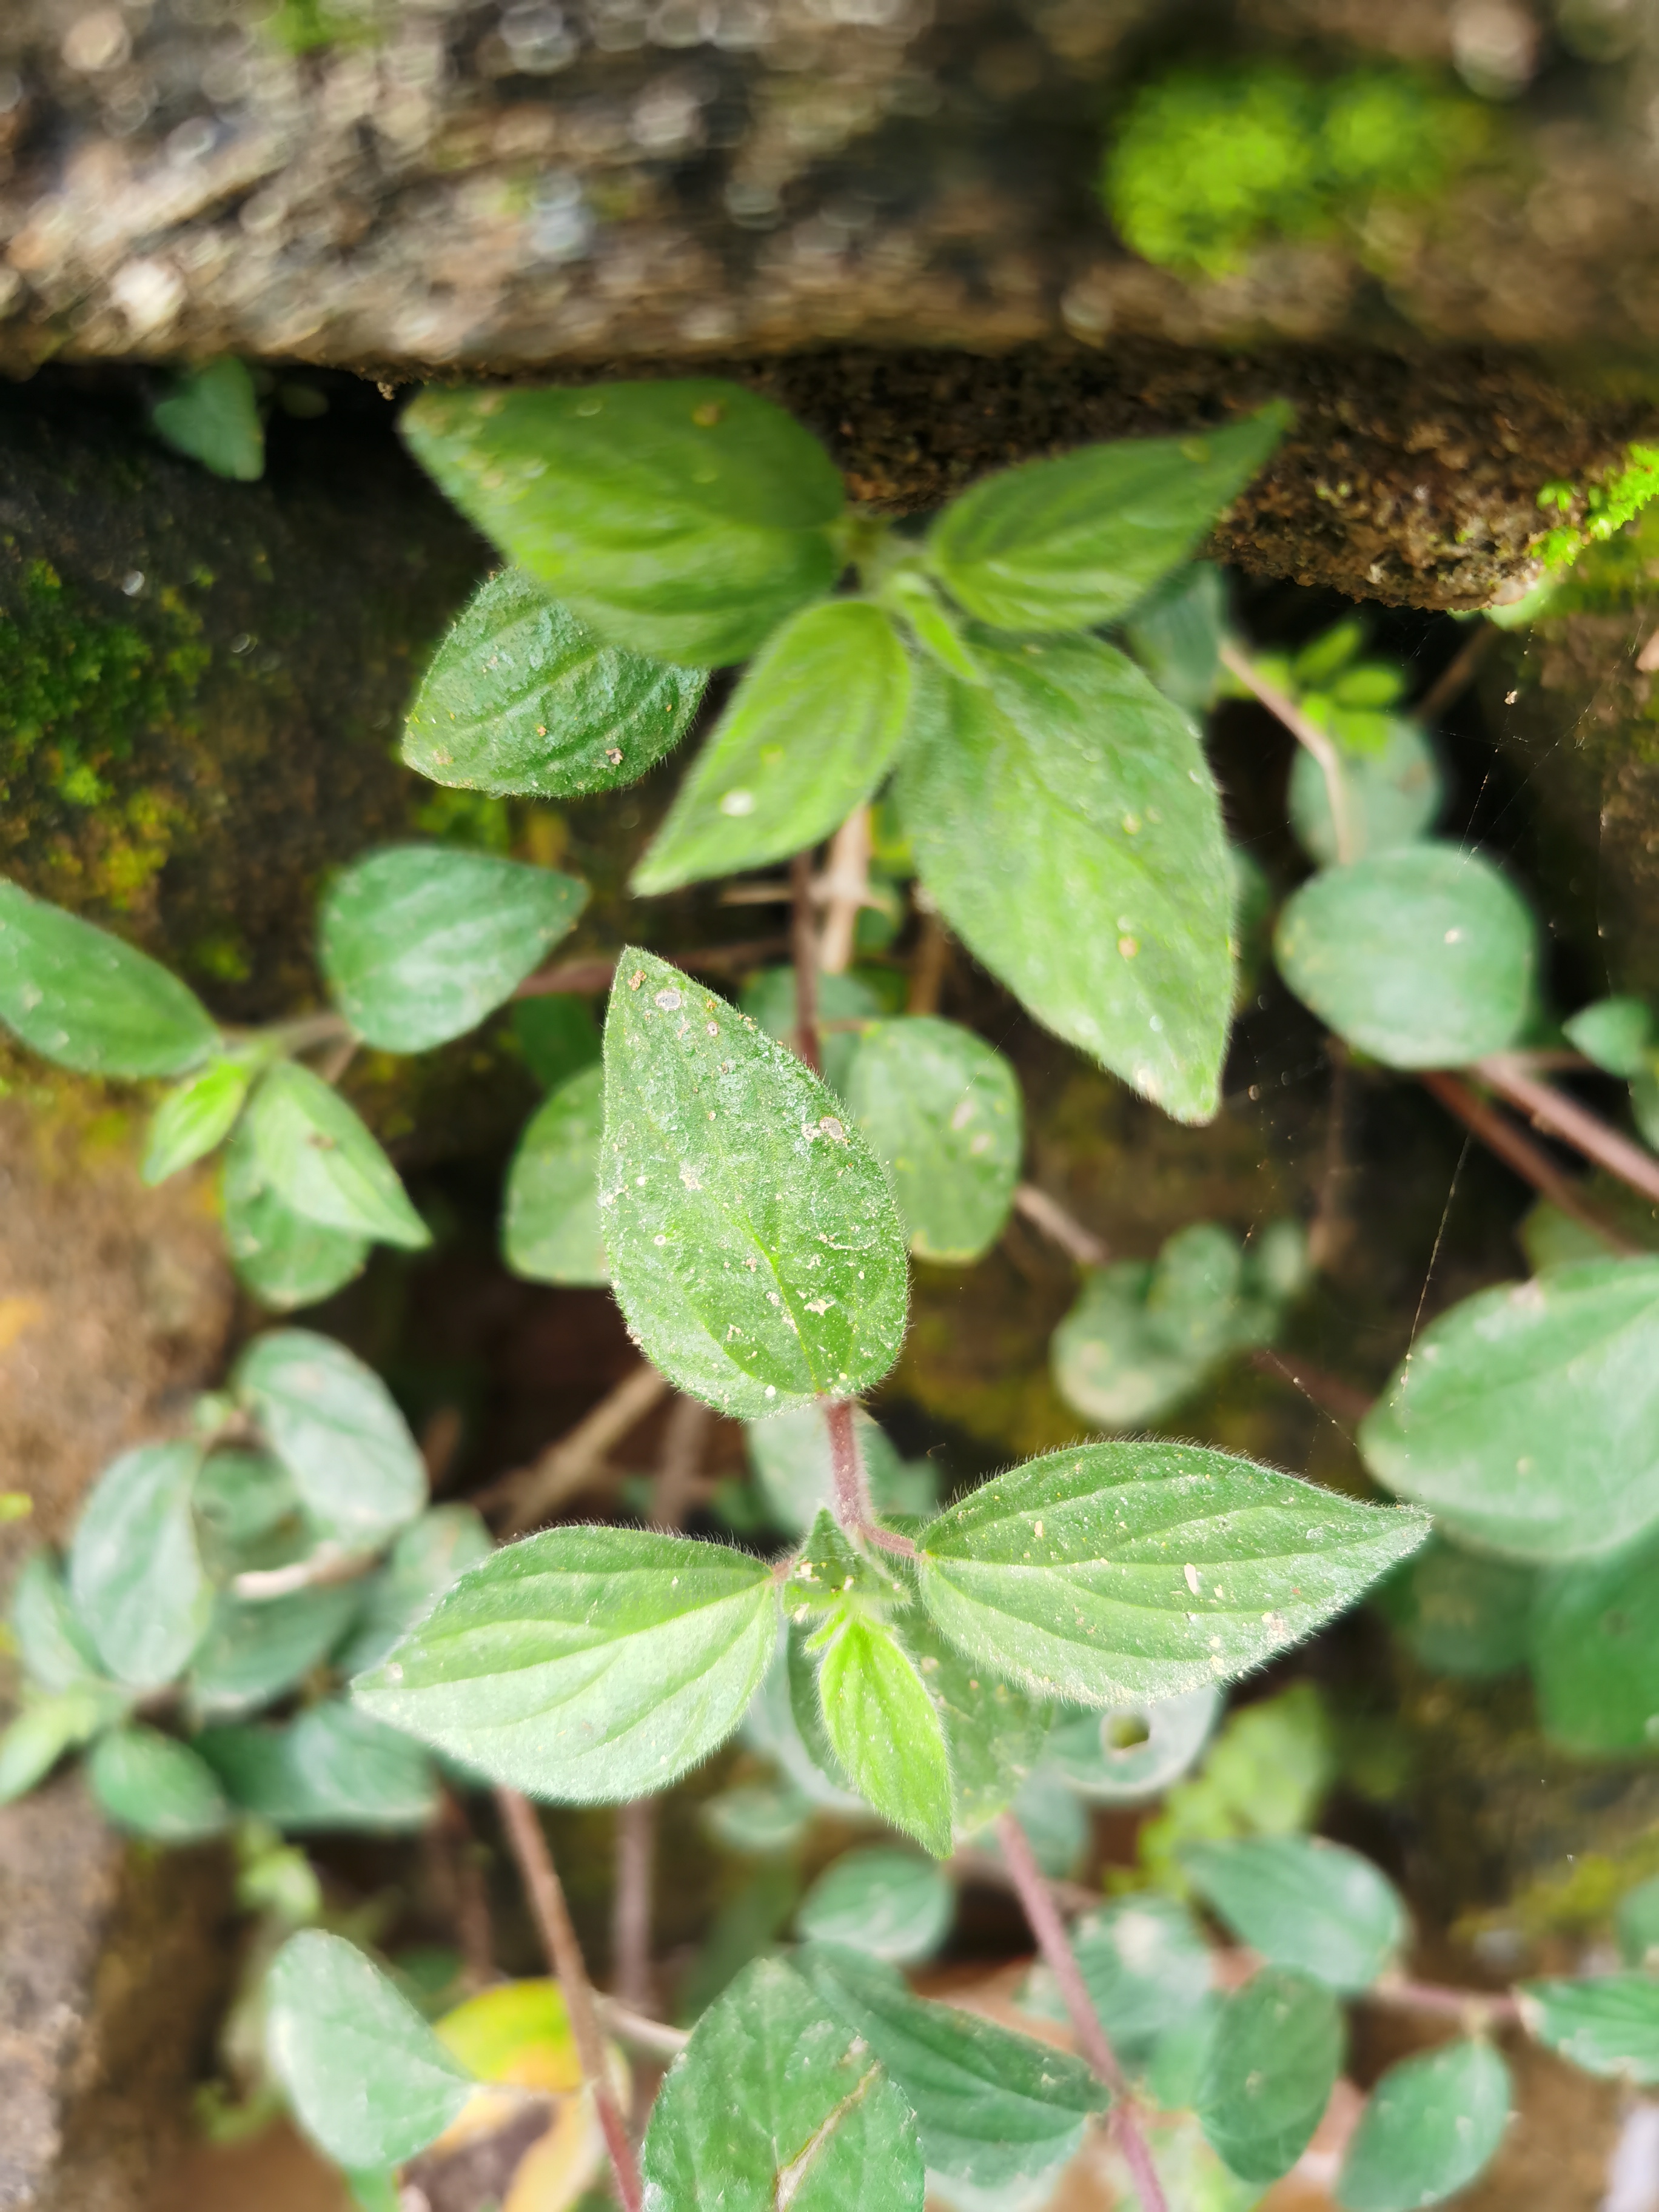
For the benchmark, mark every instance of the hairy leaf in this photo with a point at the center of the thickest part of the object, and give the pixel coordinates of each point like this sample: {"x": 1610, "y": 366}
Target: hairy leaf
{"x": 522, "y": 698}
{"x": 1176, "y": 633}
{"x": 285, "y": 1259}
{"x": 312, "y": 1150}
{"x": 86, "y": 1001}
{"x": 1147, "y": 1968}
{"x": 1316, "y": 1907}
{"x": 846, "y": 1004}
{"x": 943, "y": 1113}
{"x": 331, "y": 1768}
{"x": 135, "y": 1571}
{"x": 193, "y": 1120}
{"x": 1606, "y": 2024}
{"x": 1430, "y": 2126}
{"x": 885, "y": 1729}
{"x": 753, "y": 1247}
{"x": 993, "y": 1733}
{"x": 1271, "y": 2063}
{"x": 152, "y": 1785}
{"x": 885, "y": 1902}
{"x": 551, "y": 1218}
{"x": 332, "y": 1422}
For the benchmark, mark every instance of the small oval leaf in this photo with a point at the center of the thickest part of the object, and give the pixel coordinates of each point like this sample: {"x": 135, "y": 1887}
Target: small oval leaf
{"x": 84, "y": 999}
{"x": 551, "y": 1218}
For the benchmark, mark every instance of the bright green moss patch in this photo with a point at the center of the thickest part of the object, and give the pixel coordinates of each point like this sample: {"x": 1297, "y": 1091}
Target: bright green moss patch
{"x": 1600, "y": 512}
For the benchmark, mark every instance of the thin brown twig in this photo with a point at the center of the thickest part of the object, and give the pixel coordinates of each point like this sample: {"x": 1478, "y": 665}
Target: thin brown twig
{"x": 546, "y": 1894}
{"x": 1059, "y": 1227}
{"x": 528, "y": 1494}
{"x": 1457, "y": 675}
{"x": 1517, "y": 1149}
{"x": 804, "y": 952}
{"x": 1306, "y": 733}
{"x": 932, "y": 961}
{"x": 685, "y": 1436}
{"x": 583, "y": 976}
{"x": 845, "y": 888}
{"x": 630, "y": 1917}
{"x": 1558, "y": 1116}
{"x": 470, "y": 1894}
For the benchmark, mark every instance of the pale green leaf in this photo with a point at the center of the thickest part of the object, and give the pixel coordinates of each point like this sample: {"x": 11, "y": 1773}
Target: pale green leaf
{"x": 1429, "y": 2127}
{"x": 51, "y": 1639}
{"x": 1606, "y": 2024}
{"x": 1064, "y": 817}
{"x": 521, "y": 698}
{"x": 332, "y": 1768}
{"x": 809, "y": 731}
{"x": 584, "y": 1665}
{"x": 1636, "y": 1923}
{"x": 993, "y": 1733}
{"x": 430, "y": 1555}
{"x": 332, "y": 1422}
{"x": 418, "y": 943}
{"x": 285, "y": 1259}
{"x": 1424, "y": 956}
{"x": 993, "y": 2108}
{"x": 753, "y": 1247}
{"x": 1594, "y": 1652}
{"x": 1108, "y": 1363}
{"x": 758, "y": 1819}
{"x": 550, "y": 1214}
{"x": 1459, "y": 1611}
{"x": 254, "y": 1650}
{"x": 367, "y": 2080}
{"x": 1526, "y": 1418}
{"x": 1176, "y": 633}
{"x": 683, "y": 519}
{"x": 248, "y": 1511}
{"x": 135, "y": 1571}
{"x": 1316, "y": 1907}
{"x": 846, "y": 1004}
{"x": 772, "y": 1728}
{"x": 908, "y": 592}
{"x": 883, "y": 1725}
{"x": 887, "y": 1903}
{"x": 1271, "y": 2063}
{"x": 197, "y": 1116}
{"x": 790, "y": 1455}
{"x": 943, "y": 1113}
{"x": 1617, "y": 1034}
{"x": 829, "y": 1568}
{"x": 86, "y": 1001}
{"x": 1147, "y": 1969}
{"x": 311, "y": 1148}
{"x": 1065, "y": 544}
{"x": 212, "y": 414}
{"x": 1114, "y": 1572}
{"x": 1393, "y": 792}
{"x": 776, "y": 2102}
{"x": 32, "y": 1743}
{"x": 1130, "y": 1752}
{"x": 152, "y": 1785}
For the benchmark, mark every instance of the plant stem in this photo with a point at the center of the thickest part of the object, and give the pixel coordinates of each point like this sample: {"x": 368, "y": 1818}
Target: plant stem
{"x": 652, "y": 2035}
{"x": 530, "y": 1493}
{"x": 804, "y": 950}
{"x": 631, "y": 1924}
{"x": 680, "y": 1462}
{"x": 846, "y": 886}
{"x": 1059, "y": 1227}
{"x": 932, "y": 957}
{"x": 471, "y": 1898}
{"x": 1560, "y": 1116}
{"x": 546, "y": 1895}
{"x": 1517, "y": 1149}
{"x": 582, "y": 976}
{"x": 1457, "y": 675}
{"x": 1044, "y": 1914}
{"x": 1306, "y": 733}
{"x": 852, "y": 1484}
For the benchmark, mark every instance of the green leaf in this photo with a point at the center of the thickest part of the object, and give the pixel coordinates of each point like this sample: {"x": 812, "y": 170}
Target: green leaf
{"x": 906, "y": 592}
{"x": 1128, "y": 1754}
{"x": 45, "y": 1730}
{"x": 82, "y": 999}
{"x": 551, "y": 1215}
{"x": 247, "y": 1508}
{"x": 1272, "y": 2062}
{"x": 1425, "y": 957}
{"x": 883, "y": 1727}
{"x": 134, "y": 1570}
{"x": 558, "y": 1036}
{"x": 846, "y": 1004}
{"x": 943, "y": 1113}
{"x": 809, "y": 731}
{"x": 1460, "y": 1613}
{"x": 753, "y": 1247}
{"x": 195, "y": 1117}
{"x": 1147, "y": 1969}
{"x": 775, "y": 2101}
{"x": 829, "y": 1568}
{"x": 311, "y": 1148}
{"x": 1393, "y": 792}
{"x": 1430, "y": 2125}
{"x": 993, "y": 1733}
{"x": 1065, "y": 544}
{"x": 1065, "y": 818}
{"x": 152, "y": 1785}
{"x": 368, "y": 2080}
{"x": 1176, "y": 632}
{"x": 772, "y": 1728}
{"x": 1606, "y": 2024}
{"x": 212, "y": 415}
{"x": 584, "y": 1665}
{"x": 1526, "y": 1418}
{"x": 790, "y": 1455}
{"x": 253, "y": 1651}
{"x": 1056, "y": 1824}
{"x": 685, "y": 519}
{"x": 331, "y": 1768}
{"x": 428, "y": 1556}
{"x": 758, "y": 1819}
{"x": 418, "y": 943}
{"x": 1119, "y": 1571}
{"x": 1594, "y": 1651}
{"x": 1635, "y": 1923}
{"x": 284, "y": 1259}
{"x": 1316, "y": 1907}
{"x": 520, "y": 699}
{"x": 885, "y": 1902}
{"x": 332, "y": 1423}
{"x": 993, "y": 2109}
{"x": 51, "y": 1641}
{"x": 1617, "y": 1034}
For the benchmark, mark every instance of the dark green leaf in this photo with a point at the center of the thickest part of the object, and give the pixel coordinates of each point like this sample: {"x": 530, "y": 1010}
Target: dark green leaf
{"x": 809, "y": 731}
{"x": 942, "y": 1110}
{"x": 683, "y": 519}
{"x": 846, "y": 1004}
{"x": 82, "y": 997}
{"x": 1595, "y": 1650}
{"x": 1175, "y": 633}
{"x": 212, "y": 415}
{"x": 45, "y": 1728}
{"x": 1271, "y": 2063}
{"x": 1393, "y": 792}
{"x": 1120, "y": 1571}
{"x": 558, "y": 1036}
{"x": 332, "y": 1423}
{"x": 587, "y": 1665}
{"x": 419, "y": 942}
{"x": 883, "y": 1728}
{"x": 253, "y": 1651}
{"x": 1460, "y": 1612}
{"x": 193, "y": 1120}
{"x": 887, "y": 1903}
{"x": 368, "y": 2080}
{"x": 51, "y": 1641}
{"x": 1064, "y": 545}
{"x": 1527, "y": 1418}
{"x": 1147, "y": 1968}
{"x": 152, "y": 1785}
{"x": 1316, "y": 1907}
{"x": 312, "y": 1150}
{"x": 1617, "y": 1034}
{"x": 428, "y": 1556}
{"x": 753, "y": 1247}
{"x": 790, "y": 1455}
{"x": 1423, "y": 957}
{"x": 993, "y": 2109}
{"x": 1430, "y": 2126}
{"x": 521, "y": 698}
{"x": 285, "y": 1259}
{"x": 1064, "y": 817}
{"x": 134, "y": 1570}
{"x": 775, "y": 2101}
{"x": 331, "y": 1768}
{"x": 1124, "y": 1756}
{"x": 550, "y": 1217}
{"x": 1606, "y": 2024}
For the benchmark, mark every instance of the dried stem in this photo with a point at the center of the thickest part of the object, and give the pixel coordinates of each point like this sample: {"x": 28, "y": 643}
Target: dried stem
{"x": 470, "y": 1895}
{"x": 1306, "y": 733}
{"x": 845, "y": 887}
{"x": 652, "y": 2035}
{"x": 1059, "y": 1227}
{"x": 1517, "y": 1149}
{"x": 1331, "y": 1231}
{"x": 685, "y": 1435}
{"x": 1044, "y": 1914}
{"x": 323, "y": 1568}
{"x": 630, "y": 1920}
{"x": 1457, "y": 675}
{"x": 933, "y": 958}
{"x": 546, "y": 1895}
{"x": 530, "y": 1493}
{"x": 804, "y": 951}
{"x": 1552, "y": 1110}
{"x": 583, "y": 976}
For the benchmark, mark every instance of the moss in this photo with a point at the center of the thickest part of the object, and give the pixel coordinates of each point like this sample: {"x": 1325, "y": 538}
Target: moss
{"x": 1599, "y": 515}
